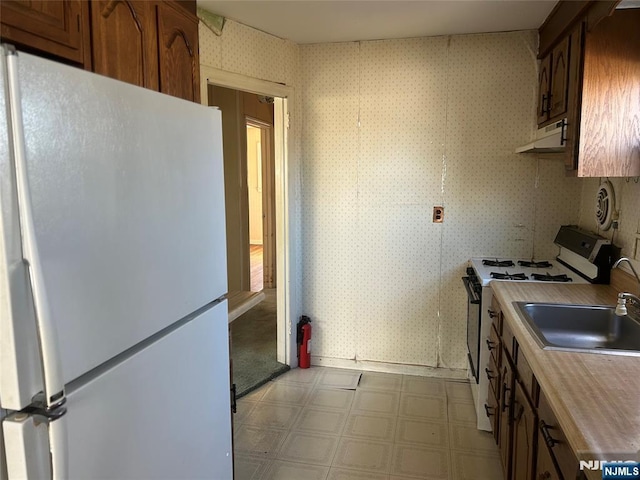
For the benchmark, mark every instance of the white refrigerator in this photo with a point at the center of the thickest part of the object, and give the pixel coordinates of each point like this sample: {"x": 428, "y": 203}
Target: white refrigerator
{"x": 114, "y": 349}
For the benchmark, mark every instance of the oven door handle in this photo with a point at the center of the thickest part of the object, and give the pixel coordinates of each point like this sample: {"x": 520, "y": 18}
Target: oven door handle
{"x": 473, "y": 297}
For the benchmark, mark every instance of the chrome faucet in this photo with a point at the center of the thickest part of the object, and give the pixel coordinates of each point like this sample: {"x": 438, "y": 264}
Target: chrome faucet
{"x": 623, "y": 297}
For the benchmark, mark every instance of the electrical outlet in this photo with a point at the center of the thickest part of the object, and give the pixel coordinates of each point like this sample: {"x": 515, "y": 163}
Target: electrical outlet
{"x": 438, "y": 214}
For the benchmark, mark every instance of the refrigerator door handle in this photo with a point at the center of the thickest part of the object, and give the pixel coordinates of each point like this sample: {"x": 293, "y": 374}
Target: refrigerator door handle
{"x": 36, "y": 446}
{"x": 47, "y": 336}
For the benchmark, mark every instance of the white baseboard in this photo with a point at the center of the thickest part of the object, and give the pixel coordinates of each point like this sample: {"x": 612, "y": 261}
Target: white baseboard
{"x": 383, "y": 367}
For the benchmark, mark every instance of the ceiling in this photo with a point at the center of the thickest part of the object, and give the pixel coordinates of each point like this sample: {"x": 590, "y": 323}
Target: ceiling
{"x": 325, "y": 21}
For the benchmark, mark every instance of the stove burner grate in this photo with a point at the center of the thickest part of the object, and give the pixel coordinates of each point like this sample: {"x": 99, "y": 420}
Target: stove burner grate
{"x": 509, "y": 276}
{"x": 544, "y": 264}
{"x": 551, "y": 278}
{"x": 498, "y": 263}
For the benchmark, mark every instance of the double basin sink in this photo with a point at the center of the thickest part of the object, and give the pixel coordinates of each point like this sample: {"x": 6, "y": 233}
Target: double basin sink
{"x": 583, "y": 328}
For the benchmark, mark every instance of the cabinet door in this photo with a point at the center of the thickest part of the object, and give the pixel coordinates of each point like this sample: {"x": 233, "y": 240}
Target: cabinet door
{"x": 52, "y": 26}
{"x": 506, "y": 403}
{"x": 559, "y": 80}
{"x": 524, "y": 437}
{"x": 492, "y": 409}
{"x": 124, "y": 41}
{"x": 545, "y": 466}
{"x": 178, "y": 53}
{"x": 544, "y": 83}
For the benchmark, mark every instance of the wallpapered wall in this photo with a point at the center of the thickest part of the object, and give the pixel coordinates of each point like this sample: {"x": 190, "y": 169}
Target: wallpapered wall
{"x": 390, "y": 129}
{"x": 627, "y": 195}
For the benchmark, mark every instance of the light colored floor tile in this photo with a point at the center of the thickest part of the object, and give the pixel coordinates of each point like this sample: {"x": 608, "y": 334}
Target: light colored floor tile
{"x": 462, "y": 413}
{"x": 475, "y": 466}
{"x": 342, "y": 474}
{"x": 303, "y": 376}
{"x": 330, "y": 422}
{"x": 339, "y": 378}
{"x": 376, "y": 402}
{"x": 307, "y": 447}
{"x": 423, "y": 406}
{"x": 371, "y": 427}
{"x": 243, "y": 409}
{"x": 380, "y": 381}
{"x": 256, "y": 395}
{"x": 469, "y": 438}
{"x": 272, "y": 415}
{"x": 363, "y": 455}
{"x": 433, "y": 387}
{"x": 420, "y": 462}
{"x": 422, "y": 432}
{"x": 247, "y": 467}
{"x": 331, "y": 398}
{"x": 257, "y": 441}
{"x": 281, "y": 470}
{"x": 458, "y": 391}
{"x": 286, "y": 393}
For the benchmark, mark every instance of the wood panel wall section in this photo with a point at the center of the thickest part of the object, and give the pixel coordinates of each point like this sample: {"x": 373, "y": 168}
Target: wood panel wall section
{"x": 610, "y": 119}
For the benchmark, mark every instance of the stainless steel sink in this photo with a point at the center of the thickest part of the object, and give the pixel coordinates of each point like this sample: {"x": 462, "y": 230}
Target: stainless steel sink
{"x": 584, "y": 328}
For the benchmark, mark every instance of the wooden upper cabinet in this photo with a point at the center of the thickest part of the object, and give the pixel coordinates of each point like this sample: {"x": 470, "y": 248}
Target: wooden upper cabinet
{"x": 124, "y": 41}
{"x": 559, "y": 80}
{"x": 610, "y": 110}
{"x": 554, "y": 83}
{"x": 178, "y": 53}
{"x": 544, "y": 84}
{"x": 54, "y": 27}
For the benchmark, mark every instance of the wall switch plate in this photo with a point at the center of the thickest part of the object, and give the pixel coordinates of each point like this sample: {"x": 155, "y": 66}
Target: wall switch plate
{"x": 438, "y": 214}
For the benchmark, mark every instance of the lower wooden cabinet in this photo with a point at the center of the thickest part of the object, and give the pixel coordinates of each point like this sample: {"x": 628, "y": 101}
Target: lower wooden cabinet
{"x": 531, "y": 442}
{"x": 524, "y": 436}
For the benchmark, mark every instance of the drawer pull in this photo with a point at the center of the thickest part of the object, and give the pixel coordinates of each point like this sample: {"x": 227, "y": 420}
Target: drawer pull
{"x": 548, "y": 439}
{"x": 490, "y": 374}
{"x": 491, "y": 345}
{"x": 486, "y": 409}
{"x": 492, "y": 314}
{"x": 505, "y": 389}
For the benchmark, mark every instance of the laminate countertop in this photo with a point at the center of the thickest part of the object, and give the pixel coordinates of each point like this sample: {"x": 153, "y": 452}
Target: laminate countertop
{"x": 596, "y": 397}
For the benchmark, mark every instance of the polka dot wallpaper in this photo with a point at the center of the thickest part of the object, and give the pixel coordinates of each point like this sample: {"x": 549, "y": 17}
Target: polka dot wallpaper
{"x": 390, "y": 129}
{"x": 381, "y": 132}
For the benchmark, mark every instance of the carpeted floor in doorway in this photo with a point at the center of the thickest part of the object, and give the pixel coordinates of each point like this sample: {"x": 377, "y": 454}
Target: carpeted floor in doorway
{"x": 253, "y": 346}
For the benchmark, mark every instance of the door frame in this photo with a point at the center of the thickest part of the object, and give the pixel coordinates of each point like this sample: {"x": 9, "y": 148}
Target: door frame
{"x": 283, "y": 104}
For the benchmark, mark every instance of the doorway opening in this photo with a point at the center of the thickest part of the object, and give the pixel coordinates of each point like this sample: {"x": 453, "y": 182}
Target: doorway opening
{"x": 261, "y": 196}
{"x": 251, "y": 225}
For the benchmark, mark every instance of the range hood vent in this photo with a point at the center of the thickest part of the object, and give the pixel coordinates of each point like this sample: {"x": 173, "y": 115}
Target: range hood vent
{"x": 549, "y": 139}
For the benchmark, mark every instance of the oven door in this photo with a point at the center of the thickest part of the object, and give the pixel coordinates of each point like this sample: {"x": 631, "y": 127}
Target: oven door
{"x": 474, "y": 309}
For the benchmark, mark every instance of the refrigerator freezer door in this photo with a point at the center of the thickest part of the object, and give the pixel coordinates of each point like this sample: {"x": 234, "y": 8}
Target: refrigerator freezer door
{"x": 162, "y": 413}
{"x": 128, "y": 205}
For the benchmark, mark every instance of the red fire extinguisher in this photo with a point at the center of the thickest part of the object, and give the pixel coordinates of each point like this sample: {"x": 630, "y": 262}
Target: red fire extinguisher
{"x": 304, "y": 342}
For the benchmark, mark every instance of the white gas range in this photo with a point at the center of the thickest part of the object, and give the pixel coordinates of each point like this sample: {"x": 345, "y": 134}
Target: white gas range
{"x": 584, "y": 258}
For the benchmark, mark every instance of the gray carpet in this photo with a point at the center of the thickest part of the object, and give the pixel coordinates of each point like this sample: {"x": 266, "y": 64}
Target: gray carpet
{"x": 253, "y": 346}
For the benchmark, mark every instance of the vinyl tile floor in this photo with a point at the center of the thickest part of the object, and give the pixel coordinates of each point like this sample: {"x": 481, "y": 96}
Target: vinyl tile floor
{"x": 335, "y": 424}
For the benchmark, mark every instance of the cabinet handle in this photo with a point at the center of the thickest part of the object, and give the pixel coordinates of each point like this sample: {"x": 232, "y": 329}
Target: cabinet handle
{"x": 543, "y": 108}
{"x": 549, "y": 104}
{"x": 548, "y": 439}
{"x": 505, "y": 389}
{"x": 492, "y": 314}
{"x": 234, "y": 402}
{"x": 489, "y": 374}
{"x": 490, "y": 345}
{"x": 563, "y": 132}
{"x": 486, "y": 409}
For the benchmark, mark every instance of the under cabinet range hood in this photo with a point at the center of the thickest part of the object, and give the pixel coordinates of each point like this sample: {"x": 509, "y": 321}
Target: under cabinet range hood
{"x": 549, "y": 139}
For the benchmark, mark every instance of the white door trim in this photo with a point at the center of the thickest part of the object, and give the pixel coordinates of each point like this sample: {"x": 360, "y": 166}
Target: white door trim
{"x": 283, "y": 104}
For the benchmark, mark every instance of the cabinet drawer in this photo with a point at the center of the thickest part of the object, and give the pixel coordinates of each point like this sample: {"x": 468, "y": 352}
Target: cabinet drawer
{"x": 508, "y": 340}
{"x": 526, "y": 377}
{"x": 492, "y": 409}
{"x": 495, "y": 313}
{"x": 493, "y": 343}
{"x": 552, "y": 438}
{"x": 493, "y": 374}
